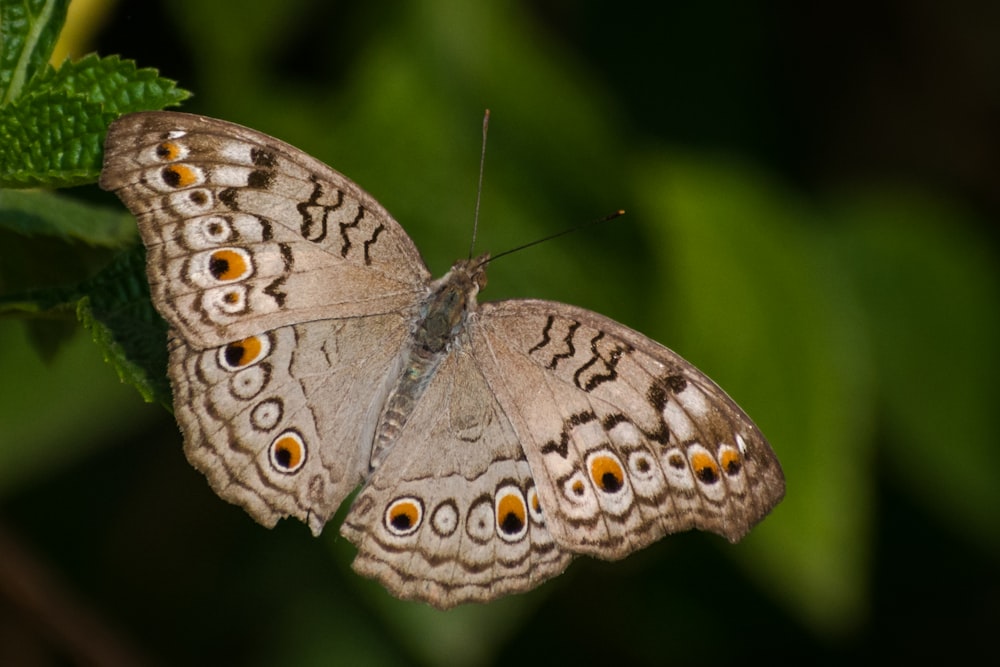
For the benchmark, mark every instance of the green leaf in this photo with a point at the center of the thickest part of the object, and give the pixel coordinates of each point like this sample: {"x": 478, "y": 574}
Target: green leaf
{"x": 28, "y": 33}
{"x": 115, "y": 83}
{"x": 51, "y": 140}
{"x": 115, "y": 306}
{"x": 50, "y": 214}
{"x": 53, "y": 133}
{"x": 123, "y": 323}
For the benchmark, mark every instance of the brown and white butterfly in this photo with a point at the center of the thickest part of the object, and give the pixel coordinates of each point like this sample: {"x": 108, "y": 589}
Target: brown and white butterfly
{"x": 311, "y": 351}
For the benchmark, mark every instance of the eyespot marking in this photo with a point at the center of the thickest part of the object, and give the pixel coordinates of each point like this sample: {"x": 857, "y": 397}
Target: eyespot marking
{"x": 606, "y": 472}
{"x": 287, "y": 453}
{"x": 266, "y": 414}
{"x": 444, "y": 518}
{"x": 229, "y": 264}
{"x": 404, "y": 515}
{"x": 535, "y": 506}
{"x": 479, "y": 521}
{"x": 511, "y": 514}
{"x": 243, "y": 353}
{"x": 168, "y": 151}
{"x": 731, "y": 461}
{"x": 179, "y": 176}
{"x": 705, "y": 468}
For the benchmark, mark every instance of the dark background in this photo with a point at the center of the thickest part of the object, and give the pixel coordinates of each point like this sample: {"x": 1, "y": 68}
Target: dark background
{"x": 812, "y": 191}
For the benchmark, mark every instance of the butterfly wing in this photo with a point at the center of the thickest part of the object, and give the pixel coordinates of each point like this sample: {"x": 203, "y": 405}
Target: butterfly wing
{"x": 288, "y": 291}
{"x": 245, "y": 234}
{"x": 281, "y": 423}
{"x": 626, "y": 441}
{"x": 452, "y": 515}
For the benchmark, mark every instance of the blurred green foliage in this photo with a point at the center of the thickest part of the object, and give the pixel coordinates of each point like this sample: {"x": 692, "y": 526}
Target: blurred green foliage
{"x": 855, "y": 320}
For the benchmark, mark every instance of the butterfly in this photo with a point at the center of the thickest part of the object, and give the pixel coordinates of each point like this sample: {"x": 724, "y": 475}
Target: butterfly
{"x": 311, "y": 351}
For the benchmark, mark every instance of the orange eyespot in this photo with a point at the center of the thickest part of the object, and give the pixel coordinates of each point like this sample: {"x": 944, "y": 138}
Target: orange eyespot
{"x": 403, "y": 516}
{"x": 228, "y": 265}
{"x": 731, "y": 461}
{"x": 606, "y": 472}
{"x": 243, "y": 352}
{"x": 535, "y": 506}
{"x": 168, "y": 151}
{"x": 179, "y": 176}
{"x": 578, "y": 487}
{"x": 232, "y": 298}
{"x": 288, "y": 452}
{"x": 511, "y": 514}
{"x": 705, "y": 468}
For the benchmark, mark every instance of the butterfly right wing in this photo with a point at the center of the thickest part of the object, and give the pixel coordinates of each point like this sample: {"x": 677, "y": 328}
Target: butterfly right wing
{"x": 246, "y": 234}
{"x": 626, "y": 440}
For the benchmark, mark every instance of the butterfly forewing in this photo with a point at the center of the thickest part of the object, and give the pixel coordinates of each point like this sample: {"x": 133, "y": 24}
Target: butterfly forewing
{"x": 245, "y": 234}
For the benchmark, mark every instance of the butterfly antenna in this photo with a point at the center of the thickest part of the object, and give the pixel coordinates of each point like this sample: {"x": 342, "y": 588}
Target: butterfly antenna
{"x": 564, "y": 232}
{"x": 479, "y": 187}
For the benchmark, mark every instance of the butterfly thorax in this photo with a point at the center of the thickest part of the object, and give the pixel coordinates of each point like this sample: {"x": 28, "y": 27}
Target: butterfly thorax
{"x": 443, "y": 314}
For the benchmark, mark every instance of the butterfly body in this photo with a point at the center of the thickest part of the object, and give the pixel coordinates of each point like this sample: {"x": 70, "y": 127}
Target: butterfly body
{"x": 311, "y": 352}
{"x": 442, "y": 316}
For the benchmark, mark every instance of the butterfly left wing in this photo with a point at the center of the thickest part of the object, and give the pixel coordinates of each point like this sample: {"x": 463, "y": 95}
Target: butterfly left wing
{"x": 288, "y": 291}
{"x": 626, "y": 440}
{"x": 451, "y": 515}
{"x": 281, "y": 423}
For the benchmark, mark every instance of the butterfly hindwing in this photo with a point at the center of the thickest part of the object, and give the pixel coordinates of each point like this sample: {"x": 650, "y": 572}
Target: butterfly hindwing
{"x": 281, "y": 422}
{"x": 452, "y": 514}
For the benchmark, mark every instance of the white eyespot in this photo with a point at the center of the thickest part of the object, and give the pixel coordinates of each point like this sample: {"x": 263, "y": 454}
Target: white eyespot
{"x": 674, "y": 464}
{"x": 444, "y": 518}
{"x": 479, "y": 522}
{"x": 222, "y": 301}
{"x": 248, "y": 383}
{"x": 209, "y": 231}
{"x": 189, "y": 203}
{"x": 266, "y": 414}
{"x": 577, "y": 499}
{"x": 645, "y": 474}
